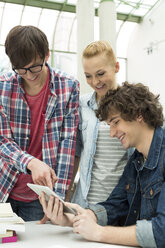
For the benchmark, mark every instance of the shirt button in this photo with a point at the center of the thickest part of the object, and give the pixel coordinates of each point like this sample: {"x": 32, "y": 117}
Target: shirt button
{"x": 127, "y": 187}
{"x": 151, "y": 192}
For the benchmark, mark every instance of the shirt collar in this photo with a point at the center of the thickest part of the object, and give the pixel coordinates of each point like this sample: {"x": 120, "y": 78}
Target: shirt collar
{"x": 92, "y": 101}
{"x": 155, "y": 148}
{"x": 51, "y": 79}
{"x": 154, "y": 151}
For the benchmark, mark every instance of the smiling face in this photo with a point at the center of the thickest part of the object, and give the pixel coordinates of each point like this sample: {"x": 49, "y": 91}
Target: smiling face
{"x": 100, "y": 73}
{"x": 37, "y": 78}
{"x": 128, "y": 132}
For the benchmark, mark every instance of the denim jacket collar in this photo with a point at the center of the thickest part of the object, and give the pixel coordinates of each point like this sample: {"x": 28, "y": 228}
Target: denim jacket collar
{"x": 92, "y": 101}
{"x": 154, "y": 152}
{"x": 155, "y": 148}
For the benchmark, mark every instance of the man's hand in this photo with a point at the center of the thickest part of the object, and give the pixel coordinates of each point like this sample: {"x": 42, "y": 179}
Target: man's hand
{"x": 53, "y": 210}
{"x": 85, "y": 223}
{"x": 43, "y": 220}
{"x": 42, "y": 174}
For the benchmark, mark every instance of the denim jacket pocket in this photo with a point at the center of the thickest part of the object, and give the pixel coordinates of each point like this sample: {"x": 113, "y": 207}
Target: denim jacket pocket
{"x": 130, "y": 189}
{"x": 83, "y": 130}
{"x": 151, "y": 195}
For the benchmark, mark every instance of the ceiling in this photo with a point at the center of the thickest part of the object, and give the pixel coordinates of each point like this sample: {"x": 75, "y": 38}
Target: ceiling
{"x": 57, "y": 18}
{"x": 127, "y": 10}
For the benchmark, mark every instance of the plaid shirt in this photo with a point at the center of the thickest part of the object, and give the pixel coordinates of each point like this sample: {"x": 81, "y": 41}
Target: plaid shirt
{"x": 58, "y": 143}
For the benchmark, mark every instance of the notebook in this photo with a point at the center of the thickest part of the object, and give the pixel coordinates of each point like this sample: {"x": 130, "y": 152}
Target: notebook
{"x": 9, "y": 239}
{"x": 5, "y": 210}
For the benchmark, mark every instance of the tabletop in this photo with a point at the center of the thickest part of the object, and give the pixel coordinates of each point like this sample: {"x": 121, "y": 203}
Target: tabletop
{"x": 52, "y": 236}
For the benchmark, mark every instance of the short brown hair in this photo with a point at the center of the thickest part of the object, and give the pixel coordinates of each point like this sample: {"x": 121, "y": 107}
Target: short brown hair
{"x": 98, "y": 47}
{"x": 24, "y": 44}
{"x": 132, "y": 100}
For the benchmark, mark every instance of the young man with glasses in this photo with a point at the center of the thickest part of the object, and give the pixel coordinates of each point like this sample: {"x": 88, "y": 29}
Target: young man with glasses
{"x": 38, "y": 123}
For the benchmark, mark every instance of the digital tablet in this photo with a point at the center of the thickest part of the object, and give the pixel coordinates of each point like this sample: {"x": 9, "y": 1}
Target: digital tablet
{"x": 38, "y": 189}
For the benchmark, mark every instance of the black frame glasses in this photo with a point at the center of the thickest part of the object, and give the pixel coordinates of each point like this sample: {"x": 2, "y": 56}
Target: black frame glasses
{"x": 32, "y": 69}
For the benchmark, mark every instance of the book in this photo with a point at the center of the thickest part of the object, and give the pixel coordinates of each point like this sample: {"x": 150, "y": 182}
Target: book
{"x": 10, "y": 220}
{"x": 9, "y": 239}
{"x": 6, "y": 210}
{"x": 11, "y": 226}
{"x": 8, "y": 233}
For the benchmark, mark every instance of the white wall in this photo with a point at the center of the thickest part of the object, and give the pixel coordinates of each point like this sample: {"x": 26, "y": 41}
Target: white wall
{"x": 147, "y": 66}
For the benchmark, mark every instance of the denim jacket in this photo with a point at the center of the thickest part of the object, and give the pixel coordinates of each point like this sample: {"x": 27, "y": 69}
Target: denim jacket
{"x": 86, "y": 146}
{"x": 139, "y": 197}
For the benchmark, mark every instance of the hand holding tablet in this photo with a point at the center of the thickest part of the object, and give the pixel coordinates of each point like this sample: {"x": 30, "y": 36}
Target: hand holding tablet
{"x": 38, "y": 189}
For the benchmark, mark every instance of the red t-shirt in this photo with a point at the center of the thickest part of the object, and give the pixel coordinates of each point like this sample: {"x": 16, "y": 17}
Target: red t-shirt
{"x": 37, "y": 105}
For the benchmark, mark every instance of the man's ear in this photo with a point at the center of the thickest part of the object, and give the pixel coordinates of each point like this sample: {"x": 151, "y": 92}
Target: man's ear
{"x": 47, "y": 56}
{"x": 140, "y": 118}
{"x": 117, "y": 67}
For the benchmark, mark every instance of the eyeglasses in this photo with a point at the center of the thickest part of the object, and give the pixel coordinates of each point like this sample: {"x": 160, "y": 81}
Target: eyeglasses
{"x": 32, "y": 69}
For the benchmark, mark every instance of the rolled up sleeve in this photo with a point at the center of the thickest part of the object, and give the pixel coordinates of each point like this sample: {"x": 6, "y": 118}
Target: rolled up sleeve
{"x": 100, "y": 213}
{"x": 144, "y": 234}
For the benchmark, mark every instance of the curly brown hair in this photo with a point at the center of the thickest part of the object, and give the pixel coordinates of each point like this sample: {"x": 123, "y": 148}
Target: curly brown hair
{"x": 132, "y": 100}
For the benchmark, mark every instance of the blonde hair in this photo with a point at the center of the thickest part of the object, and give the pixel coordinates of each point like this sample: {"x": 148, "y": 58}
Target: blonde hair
{"x": 98, "y": 47}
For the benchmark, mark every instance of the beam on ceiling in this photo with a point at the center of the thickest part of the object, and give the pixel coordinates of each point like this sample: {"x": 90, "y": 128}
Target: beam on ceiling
{"x": 67, "y": 8}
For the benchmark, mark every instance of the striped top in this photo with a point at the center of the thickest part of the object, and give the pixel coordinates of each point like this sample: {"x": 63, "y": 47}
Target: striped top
{"x": 109, "y": 161}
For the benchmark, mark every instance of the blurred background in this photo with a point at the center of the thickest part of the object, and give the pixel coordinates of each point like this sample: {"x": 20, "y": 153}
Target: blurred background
{"x": 134, "y": 28}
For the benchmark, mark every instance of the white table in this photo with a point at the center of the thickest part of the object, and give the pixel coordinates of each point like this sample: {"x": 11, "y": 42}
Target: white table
{"x": 52, "y": 236}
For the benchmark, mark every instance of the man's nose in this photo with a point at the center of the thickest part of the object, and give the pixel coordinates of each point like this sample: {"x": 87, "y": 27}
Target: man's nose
{"x": 112, "y": 132}
{"x": 29, "y": 74}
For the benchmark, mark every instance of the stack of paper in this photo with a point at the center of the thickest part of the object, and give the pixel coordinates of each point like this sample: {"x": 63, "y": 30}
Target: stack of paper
{"x": 6, "y": 210}
{"x": 10, "y": 223}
